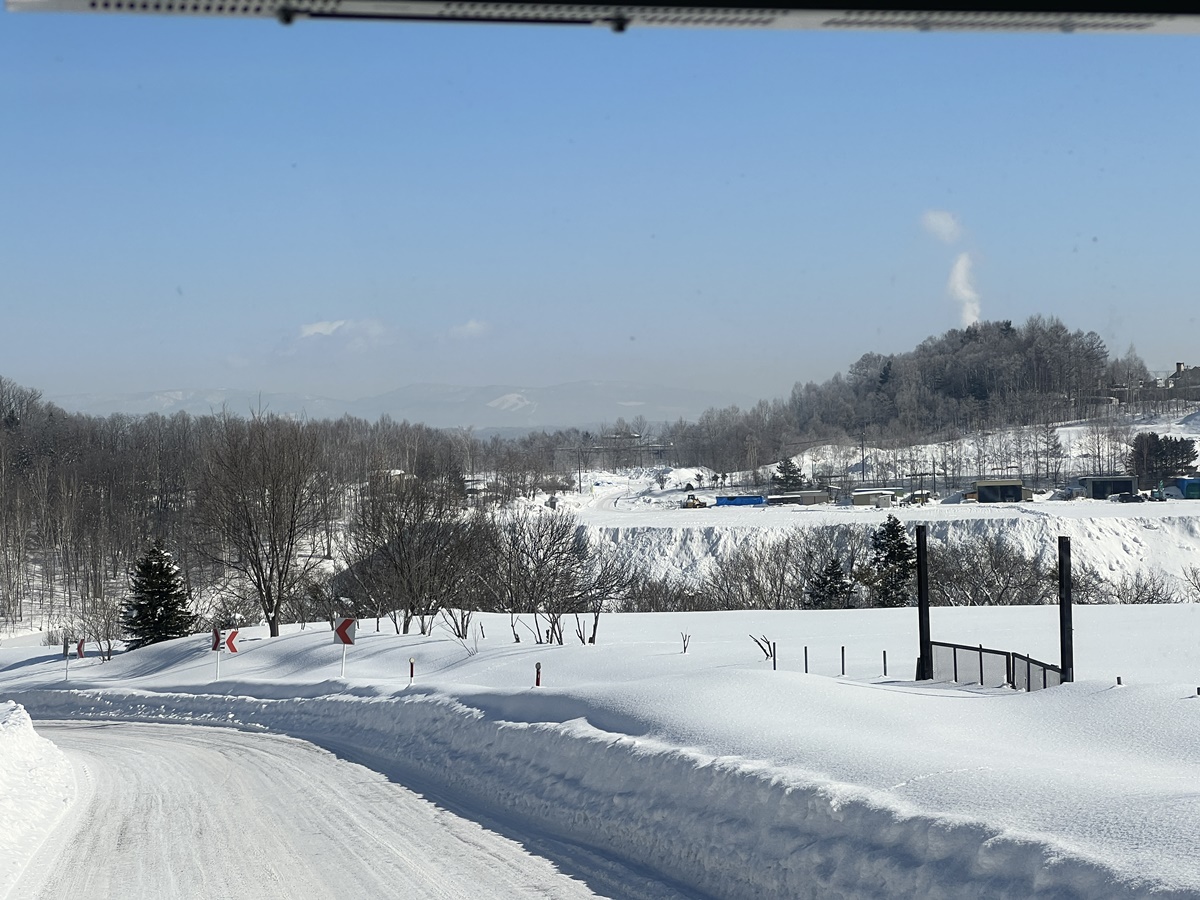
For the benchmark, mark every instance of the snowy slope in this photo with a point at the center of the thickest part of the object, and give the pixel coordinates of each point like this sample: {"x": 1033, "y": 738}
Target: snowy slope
{"x": 716, "y": 772}
{"x": 711, "y": 770}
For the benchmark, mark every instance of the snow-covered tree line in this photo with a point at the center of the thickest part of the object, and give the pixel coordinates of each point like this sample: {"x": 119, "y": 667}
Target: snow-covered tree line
{"x": 260, "y": 513}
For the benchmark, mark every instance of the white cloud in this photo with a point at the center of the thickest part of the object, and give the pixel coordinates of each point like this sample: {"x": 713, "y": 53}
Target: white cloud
{"x": 472, "y": 328}
{"x": 961, "y": 289}
{"x": 942, "y": 224}
{"x": 348, "y": 335}
{"x": 324, "y": 329}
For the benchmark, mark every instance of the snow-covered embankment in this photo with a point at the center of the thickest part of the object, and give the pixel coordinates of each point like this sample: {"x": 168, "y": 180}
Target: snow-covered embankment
{"x": 726, "y": 827}
{"x": 37, "y": 785}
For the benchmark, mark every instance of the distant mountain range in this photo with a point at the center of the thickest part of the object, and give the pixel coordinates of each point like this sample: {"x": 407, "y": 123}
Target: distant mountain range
{"x": 494, "y": 407}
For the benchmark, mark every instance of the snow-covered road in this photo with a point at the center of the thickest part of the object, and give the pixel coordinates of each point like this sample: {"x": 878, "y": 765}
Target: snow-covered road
{"x": 182, "y": 811}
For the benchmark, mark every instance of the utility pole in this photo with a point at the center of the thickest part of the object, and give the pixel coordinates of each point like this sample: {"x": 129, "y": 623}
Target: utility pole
{"x": 1066, "y": 636}
{"x": 924, "y": 640}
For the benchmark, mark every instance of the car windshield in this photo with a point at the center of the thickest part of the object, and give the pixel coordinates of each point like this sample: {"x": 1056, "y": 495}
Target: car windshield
{"x": 407, "y": 395}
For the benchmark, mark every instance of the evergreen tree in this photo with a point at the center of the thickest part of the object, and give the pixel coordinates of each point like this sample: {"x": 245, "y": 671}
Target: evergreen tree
{"x": 893, "y": 563}
{"x": 830, "y": 588}
{"x": 788, "y": 476}
{"x": 1155, "y": 458}
{"x": 157, "y": 608}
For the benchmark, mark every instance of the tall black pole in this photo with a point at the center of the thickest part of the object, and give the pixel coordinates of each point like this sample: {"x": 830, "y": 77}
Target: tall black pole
{"x": 925, "y": 670}
{"x": 1065, "y": 635}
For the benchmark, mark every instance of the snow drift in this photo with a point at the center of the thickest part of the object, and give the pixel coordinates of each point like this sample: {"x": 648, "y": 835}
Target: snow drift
{"x": 36, "y": 787}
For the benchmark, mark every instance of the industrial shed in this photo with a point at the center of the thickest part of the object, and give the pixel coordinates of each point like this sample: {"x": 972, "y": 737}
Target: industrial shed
{"x": 999, "y": 490}
{"x": 882, "y": 497}
{"x": 799, "y": 498}
{"x": 742, "y": 500}
{"x": 1101, "y": 487}
{"x": 1189, "y": 488}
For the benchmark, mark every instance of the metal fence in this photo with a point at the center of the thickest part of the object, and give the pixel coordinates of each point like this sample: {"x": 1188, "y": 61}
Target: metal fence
{"x": 1030, "y": 674}
{"x": 991, "y": 668}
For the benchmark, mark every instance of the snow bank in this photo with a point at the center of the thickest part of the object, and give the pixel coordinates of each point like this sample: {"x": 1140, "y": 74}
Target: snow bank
{"x": 37, "y": 785}
{"x": 725, "y": 826}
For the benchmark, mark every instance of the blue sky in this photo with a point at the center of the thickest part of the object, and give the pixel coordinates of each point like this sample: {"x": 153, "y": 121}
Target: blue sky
{"x": 345, "y": 208}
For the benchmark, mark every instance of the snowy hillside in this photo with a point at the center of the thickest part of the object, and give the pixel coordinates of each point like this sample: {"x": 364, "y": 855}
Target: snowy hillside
{"x": 720, "y": 774}
{"x": 711, "y": 772}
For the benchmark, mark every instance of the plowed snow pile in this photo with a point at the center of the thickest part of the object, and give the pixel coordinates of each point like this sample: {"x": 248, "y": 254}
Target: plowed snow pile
{"x": 36, "y": 786}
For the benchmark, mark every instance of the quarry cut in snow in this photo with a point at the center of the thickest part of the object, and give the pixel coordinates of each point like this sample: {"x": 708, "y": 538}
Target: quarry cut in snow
{"x": 647, "y": 527}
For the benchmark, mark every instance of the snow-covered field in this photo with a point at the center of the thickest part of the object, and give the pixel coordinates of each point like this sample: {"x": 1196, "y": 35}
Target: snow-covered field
{"x": 709, "y": 773}
{"x": 709, "y": 769}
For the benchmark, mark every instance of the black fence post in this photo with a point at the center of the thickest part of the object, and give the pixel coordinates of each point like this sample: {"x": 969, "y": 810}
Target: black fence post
{"x": 1065, "y": 633}
{"x": 925, "y": 669}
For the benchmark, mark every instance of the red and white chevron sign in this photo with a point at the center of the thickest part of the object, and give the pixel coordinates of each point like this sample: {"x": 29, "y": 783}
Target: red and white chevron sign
{"x": 231, "y": 641}
{"x": 343, "y": 632}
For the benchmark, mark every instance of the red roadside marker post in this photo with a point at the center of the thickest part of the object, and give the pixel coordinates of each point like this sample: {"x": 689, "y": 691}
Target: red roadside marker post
{"x": 412, "y": 669}
{"x": 67, "y": 658}
{"x": 222, "y": 642}
{"x": 343, "y": 633}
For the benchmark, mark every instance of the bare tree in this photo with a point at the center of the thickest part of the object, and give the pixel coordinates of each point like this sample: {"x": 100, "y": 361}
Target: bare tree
{"x": 1191, "y": 580}
{"x": 1145, "y": 587}
{"x": 259, "y": 508}
{"x": 778, "y": 571}
{"x": 544, "y": 565}
{"x": 605, "y": 582}
{"x": 761, "y": 574}
{"x": 100, "y": 622}
{"x": 410, "y": 543}
{"x": 989, "y": 571}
